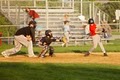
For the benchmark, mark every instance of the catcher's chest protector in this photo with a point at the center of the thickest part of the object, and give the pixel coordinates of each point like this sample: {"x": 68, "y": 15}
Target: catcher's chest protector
{"x": 46, "y": 40}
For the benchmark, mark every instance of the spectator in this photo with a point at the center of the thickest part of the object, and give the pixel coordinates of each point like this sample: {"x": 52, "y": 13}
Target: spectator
{"x": 66, "y": 30}
{"x": 66, "y": 17}
{"x": 106, "y": 29}
{"x": 32, "y": 15}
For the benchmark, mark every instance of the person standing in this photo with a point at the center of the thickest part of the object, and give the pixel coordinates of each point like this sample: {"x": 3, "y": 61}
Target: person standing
{"x": 107, "y": 31}
{"x": 66, "y": 17}
{"x": 66, "y": 30}
{"x": 24, "y": 36}
{"x": 32, "y": 15}
{"x": 94, "y": 33}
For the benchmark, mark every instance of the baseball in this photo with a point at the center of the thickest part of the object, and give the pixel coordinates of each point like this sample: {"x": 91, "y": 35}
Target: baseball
{"x": 113, "y": 20}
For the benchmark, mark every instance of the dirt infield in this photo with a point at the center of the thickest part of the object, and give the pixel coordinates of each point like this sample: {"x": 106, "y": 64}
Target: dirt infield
{"x": 113, "y": 58}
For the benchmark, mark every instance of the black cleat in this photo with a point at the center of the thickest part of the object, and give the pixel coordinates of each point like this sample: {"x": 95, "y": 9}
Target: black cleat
{"x": 87, "y": 54}
{"x": 105, "y": 54}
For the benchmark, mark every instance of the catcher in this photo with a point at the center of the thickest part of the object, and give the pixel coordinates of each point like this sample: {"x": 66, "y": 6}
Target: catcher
{"x": 45, "y": 43}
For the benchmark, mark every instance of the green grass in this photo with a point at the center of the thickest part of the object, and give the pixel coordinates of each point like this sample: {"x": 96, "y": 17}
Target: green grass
{"x": 113, "y": 47}
{"x": 38, "y": 71}
{"x": 115, "y": 33}
{"x": 59, "y": 71}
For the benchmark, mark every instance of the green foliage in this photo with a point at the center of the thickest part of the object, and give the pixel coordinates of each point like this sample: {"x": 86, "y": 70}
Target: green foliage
{"x": 49, "y": 71}
{"x": 6, "y": 31}
{"x": 3, "y": 20}
{"x": 110, "y": 8}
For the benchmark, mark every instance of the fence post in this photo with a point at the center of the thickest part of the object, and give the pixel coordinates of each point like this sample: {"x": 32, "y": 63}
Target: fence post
{"x": 70, "y": 3}
{"x": 93, "y": 10}
{"x": 8, "y": 9}
{"x": 104, "y": 17}
{"x": 16, "y": 21}
{"x": 25, "y": 18}
{"x": 81, "y": 7}
{"x": 1, "y": 5}
{"x": 62, "y": 3}
{"x": 34, "y": 3}
{"x": 73, "y": 4}
{"x": 90, "y": 10}
{"x": 8, "y": 35}
{"x": 99, "y": 17}
{"x": 0, "y": 39}
{"x": 5, "y": 1}
{"x": 47, "y": 14}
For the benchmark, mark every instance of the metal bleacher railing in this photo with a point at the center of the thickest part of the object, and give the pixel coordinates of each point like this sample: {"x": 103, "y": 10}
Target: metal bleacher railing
{"x": 51, "y": 15}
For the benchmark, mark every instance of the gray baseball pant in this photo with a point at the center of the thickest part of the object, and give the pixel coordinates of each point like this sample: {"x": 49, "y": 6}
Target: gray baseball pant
{"x": 97, "y": 40}
{"x": 19, "y": 41}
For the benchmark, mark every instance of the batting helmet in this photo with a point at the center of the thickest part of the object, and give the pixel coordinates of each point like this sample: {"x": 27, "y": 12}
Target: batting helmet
{"x": 91, "y": 21}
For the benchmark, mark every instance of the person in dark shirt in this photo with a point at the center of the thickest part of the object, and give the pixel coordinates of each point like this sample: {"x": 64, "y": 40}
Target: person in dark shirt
{"x": 45, "y": 43}
{"x": 24, "y": 36}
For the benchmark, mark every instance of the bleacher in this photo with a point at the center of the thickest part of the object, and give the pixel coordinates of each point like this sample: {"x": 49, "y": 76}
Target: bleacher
{"x": 49, "y": 19}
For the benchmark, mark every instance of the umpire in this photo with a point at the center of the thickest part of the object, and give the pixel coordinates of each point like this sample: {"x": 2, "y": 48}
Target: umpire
{"x": 24, "y": 36}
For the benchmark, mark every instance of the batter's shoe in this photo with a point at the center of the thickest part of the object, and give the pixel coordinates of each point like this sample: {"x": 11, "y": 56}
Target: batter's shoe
{"x": 105, "y": 54}
{"x": 87, "y": 54}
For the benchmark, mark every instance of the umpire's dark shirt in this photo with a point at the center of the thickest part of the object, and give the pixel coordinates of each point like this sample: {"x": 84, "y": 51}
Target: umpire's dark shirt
{"x": 25, "y": 31}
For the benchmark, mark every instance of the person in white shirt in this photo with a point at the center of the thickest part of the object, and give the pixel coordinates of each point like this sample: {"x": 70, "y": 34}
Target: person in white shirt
{"x": 66, "y": 30}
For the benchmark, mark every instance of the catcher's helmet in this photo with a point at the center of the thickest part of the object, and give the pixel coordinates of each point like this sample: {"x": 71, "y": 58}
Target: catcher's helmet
{"x": 47, "y": 33}
{"x": 91, "y": 21}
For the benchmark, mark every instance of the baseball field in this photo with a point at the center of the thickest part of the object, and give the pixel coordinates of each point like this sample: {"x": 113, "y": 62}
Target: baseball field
{"x": 68, "y": 63}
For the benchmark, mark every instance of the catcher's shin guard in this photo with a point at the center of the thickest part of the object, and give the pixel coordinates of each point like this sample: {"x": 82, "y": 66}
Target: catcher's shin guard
{"x": 51, "y": 51}
{"x": 43, "y": 52}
